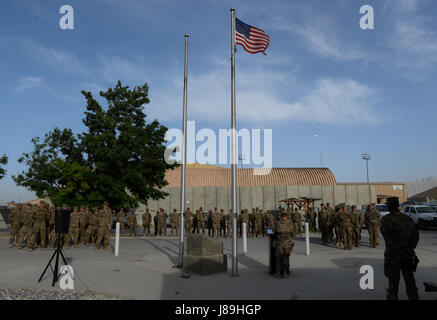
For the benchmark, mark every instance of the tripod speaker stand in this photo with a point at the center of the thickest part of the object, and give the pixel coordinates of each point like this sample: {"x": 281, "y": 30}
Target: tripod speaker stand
{"x": 58, "y": 251}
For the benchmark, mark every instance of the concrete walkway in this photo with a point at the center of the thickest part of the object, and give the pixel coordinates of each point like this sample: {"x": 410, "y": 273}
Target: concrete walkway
{"x": 145, "y": 270}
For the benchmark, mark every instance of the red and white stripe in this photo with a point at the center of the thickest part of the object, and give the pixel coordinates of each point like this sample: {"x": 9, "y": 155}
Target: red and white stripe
{"x": 257, "y": 42}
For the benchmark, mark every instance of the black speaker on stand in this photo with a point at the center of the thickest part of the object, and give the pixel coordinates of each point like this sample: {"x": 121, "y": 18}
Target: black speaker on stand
{"x": 62, "y": 223}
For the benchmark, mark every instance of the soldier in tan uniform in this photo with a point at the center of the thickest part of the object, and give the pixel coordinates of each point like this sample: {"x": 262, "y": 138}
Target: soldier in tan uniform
{"x": 228, "y": 221}
{"x": 83, "y": 221}
{"x": 200, "y": 216}
{"x": 120, "y": 220}
{"x": 52, "y": 231}
{"x": 174, "y": 222}
{"x": 104, "y": 223}
{"x": 345, "y": 222}
{"x": 26, "y": 230}
{"x": 245, "y": 219}
{"x": 15, "y": 221}
{"x": 357, "y": 221}
{"x": 284, "y": 232}
{"x": 132, "y": 221}
{"x": 270, "y": 220}
{"x": 215, "y": 217}
{"x": 188, "y": 221}
{"x": 147, "y": 221}
{"x": 73, "y": 229}
{"x": 297, "y": 221}
{"x": 91, "y": 231}
{"x": 372, "y": 221}
{"x": 39, "y": 225}
{"x": 222, "y": 223}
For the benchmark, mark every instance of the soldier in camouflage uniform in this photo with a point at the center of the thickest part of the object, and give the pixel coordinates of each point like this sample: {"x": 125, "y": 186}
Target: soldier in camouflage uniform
{"x": 52, "y": 231}
{"x": 323, "y": 224}
{"x": 296, "y": 218}
{"x": 74, "y": 229}
{"x": 39, "y": 225}
{"x": 345, "y": 222}
{"x": 132, "y": 222}
{"x": 401, "y": 237}
{"x": 200, "y": 217}
{"x": 245, "y": 219}
{"x": 174, "y": 222}
{"x": 91, "y": 231}
{"x": 160, "y": 220}
{"x": 83, "y": 221}
{"x": 104, "y": 223}
{"x": 284, "y": 232}
{"x": 147, "y": 222}
{"x": 15, "y": 221}
{"x": 188, "y": 221}
{"x": 258, "y": 220}
{"x": 372, "y": 222}
{"x": 120, "y": 219}
{"x": 270, "y": 220}
{"x": 215, "y": 219}
{"x": 330, "y": 222}
{"x": 357, "y": 221}
{"x": 228, "y": 221}
{"x": 222, "y": 223}
{"x": 337, "y": 227}
{"x": 26, "y": 230}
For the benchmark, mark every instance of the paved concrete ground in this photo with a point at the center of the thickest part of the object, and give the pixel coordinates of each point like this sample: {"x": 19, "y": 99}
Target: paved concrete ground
{"x": 145, "y": 270}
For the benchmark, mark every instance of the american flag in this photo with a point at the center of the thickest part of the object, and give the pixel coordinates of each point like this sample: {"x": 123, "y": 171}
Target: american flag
{"x": 252, "y": 39}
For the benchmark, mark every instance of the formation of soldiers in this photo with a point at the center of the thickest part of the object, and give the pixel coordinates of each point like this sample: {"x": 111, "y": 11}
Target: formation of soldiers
{"x": 36, "y": 224}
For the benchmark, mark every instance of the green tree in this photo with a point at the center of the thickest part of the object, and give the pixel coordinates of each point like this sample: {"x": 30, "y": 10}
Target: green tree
{"x": 4, "y": 161}
{"x": 119, "y": 159}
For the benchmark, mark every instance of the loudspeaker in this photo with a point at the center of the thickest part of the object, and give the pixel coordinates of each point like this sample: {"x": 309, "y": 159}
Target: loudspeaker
{"x": 62, "y": 220}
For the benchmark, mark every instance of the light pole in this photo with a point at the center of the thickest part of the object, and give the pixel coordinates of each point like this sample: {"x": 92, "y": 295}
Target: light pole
{"x": 316, "y": 136}
{"x": 367, "y": 157}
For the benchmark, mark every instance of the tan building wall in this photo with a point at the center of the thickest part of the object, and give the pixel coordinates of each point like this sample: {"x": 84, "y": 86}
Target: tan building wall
{"x": 391, "y": 189}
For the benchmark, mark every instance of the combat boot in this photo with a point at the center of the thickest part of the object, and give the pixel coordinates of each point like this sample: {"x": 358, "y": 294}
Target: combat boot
{"x": 97, "y": 249}
{"x": 10, "y": 245}
{"x": 108, "y": 249}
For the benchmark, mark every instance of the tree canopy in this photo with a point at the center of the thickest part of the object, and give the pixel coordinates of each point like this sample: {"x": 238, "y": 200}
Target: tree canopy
{"x": 3, "y": 161}
{"x": 118, "y": 159}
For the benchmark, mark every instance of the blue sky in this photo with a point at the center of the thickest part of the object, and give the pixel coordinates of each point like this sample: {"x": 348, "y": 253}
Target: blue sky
{"x": 359, "y": 90}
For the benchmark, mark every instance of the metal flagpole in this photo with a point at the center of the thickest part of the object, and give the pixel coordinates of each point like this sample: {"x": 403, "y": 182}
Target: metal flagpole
{"x": 184, "y": 160}
{"x": 234, "y": 150}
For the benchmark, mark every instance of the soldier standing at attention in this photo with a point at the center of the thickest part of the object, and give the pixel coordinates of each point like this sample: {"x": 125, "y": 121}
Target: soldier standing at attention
{"x": 159, "y": 222}
{"x": 323, "y": 224}
{"x": 284, "y": 232}
{"x": 330, "y": 222}
{"x": 215, "y": 218}
{"x": 401, "y": 237}
{"x": 92, "y": 227}
{"x": 357, "y": 221}
{"x": 228, "y": 221}
{"x": 52, "y": 231}
{"x": 104, "y": 224}
{"x": 222, "y": 223}
{"x": 15, "y": 220}
{"x": 245, "y": 219}
{"x": 270, "y": 220}
{"x": 120, "y": 220}
{"x": 132, "y": 222}
{"x": 26, "y": 230}
{"x": 83, "y": 221}
{"x": 372, "y": 222}
{"x": 188, "y": 221}
{"x": 39, "y": 226}
{"x": 174, "y": 222}
{"x": 163, "y": 223}
{"x": 147, "y": 221}
{"x": 200, "y": 216}
{"x": 209, "y": 222}
{"x": 73, "y": 230}
{"x": 297, "y": 221}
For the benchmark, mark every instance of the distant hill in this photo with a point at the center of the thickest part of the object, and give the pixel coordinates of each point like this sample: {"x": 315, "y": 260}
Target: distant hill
{"x": 421, "y": 185}
{"x": 429, "y": 195}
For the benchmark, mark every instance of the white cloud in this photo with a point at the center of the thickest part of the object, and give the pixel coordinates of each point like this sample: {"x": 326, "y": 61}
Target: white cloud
{"x": 329, "y": 100}
{"x": 116, "y": 68}
{"x": 27, "y": 83}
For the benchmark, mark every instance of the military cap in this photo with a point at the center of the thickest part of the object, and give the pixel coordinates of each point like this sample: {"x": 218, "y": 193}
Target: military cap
{"x": 64, "y": 205}
{"x": 28, "y": 205}
{"x": 105, "y": 203}
{"x": 19, "y": 204}
{"x": 75, "y": 208}
{"x": 42, "y": 202}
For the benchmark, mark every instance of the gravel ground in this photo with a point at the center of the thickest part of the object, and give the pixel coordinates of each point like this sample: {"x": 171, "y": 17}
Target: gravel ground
{"x": 38, "y": 294}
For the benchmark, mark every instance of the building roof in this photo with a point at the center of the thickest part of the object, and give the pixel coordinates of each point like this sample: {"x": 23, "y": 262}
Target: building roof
{"x": 221, "y": 177}
{"x": 430, "y": 194}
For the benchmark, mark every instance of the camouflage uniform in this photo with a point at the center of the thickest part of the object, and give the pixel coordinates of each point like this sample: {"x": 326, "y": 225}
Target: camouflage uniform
{"x": 161, "y": 219}
{"x": 52, "y": 231}
{"x": 215, "y": 217}
{"x": 245, "y": 219}
{"x": 147, "y": 221}
{"x": 91, "y": 231}
{"x": 337, "y": 226}
{"x": 174, "y": 222}
{"x": 258, "y": 219}
{"x": 15, "y": 221}
{"x": 270, "y": 220}
{"x": 372, "y": 221}
{"x": 39, "y": 225}
{"x": 132, "y": 222}
{"x": 330, "y": 222}
{"x": 26, "y": 230}
{"x": 251, "y": 225}
{"x": 345, "y": 222}
{"x": 357, "y": 221}
{"x": 188, "y": 220}
{"x": 200, "y": 216}
{"x": 323, "y": 224}
{"x": 401, "y": 237}
{"x": 296, "y": 217}
{"x": 228, "y": 221}
{"x": 74, "y": 229}
{"x": 284, "y": 231}
{"x": 222, "y": 223}
{"x": 83, "y": 220}
{"x": 104, "y": 223}
{"x": 120, "y": 220}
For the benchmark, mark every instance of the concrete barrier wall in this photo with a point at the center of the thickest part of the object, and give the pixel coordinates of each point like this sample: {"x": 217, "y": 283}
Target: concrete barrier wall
{"x": 266, "y": 198}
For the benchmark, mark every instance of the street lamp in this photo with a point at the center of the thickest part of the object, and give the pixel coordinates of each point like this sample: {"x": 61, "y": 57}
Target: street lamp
{"x": 367, "y": 157}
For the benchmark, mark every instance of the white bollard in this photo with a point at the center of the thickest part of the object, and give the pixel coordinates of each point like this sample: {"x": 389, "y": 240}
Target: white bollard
{"x": 117, "y": 238}
{"x": 307, "y": 237}
{"x": 244, "y": 238}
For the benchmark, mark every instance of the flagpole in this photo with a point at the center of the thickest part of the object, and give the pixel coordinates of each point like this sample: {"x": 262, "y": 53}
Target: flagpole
{"x": 184, "y": 159}
{"x": 234, "y": 151}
